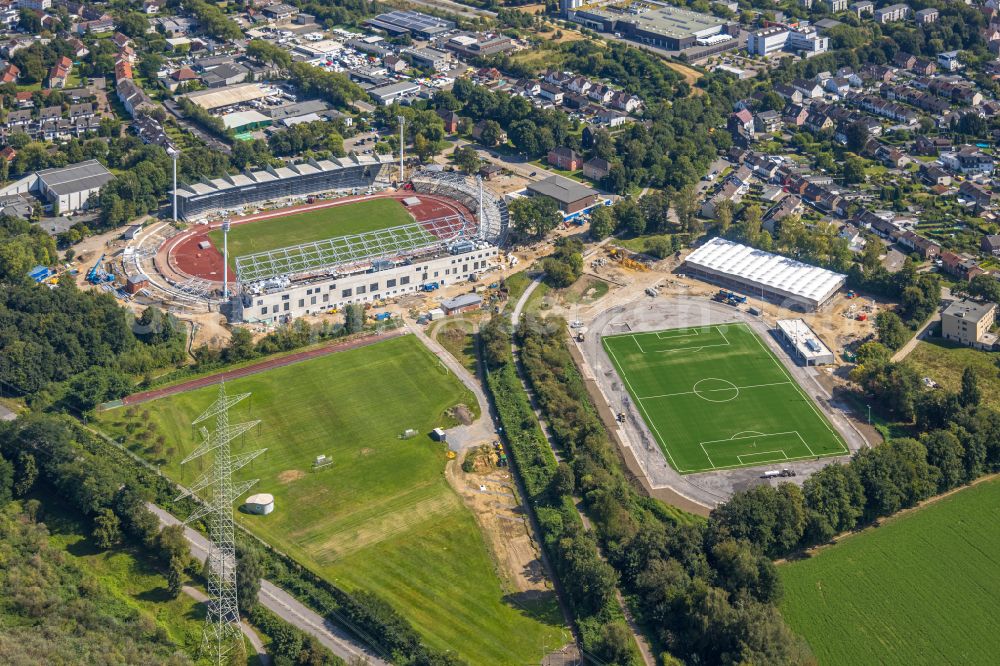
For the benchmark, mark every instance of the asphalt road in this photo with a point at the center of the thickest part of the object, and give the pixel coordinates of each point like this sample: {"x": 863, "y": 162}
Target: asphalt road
{"x": 285, "y": 605}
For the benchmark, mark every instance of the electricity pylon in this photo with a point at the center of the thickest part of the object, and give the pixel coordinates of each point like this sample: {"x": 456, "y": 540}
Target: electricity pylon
{"x": 222, "y": 633}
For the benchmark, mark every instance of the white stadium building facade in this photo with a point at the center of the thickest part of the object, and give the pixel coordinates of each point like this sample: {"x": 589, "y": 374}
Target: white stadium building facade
{"x": 279, "y": 285}
{"x": 762, "y": 274}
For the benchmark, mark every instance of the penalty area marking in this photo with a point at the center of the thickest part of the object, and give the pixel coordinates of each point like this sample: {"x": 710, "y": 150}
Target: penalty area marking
{"x": 784, "y": 456}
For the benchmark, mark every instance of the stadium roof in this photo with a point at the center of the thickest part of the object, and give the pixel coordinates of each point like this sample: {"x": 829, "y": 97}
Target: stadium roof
{"x": 778, "y": 274}
{"x": 249, "y": 177}
{"x": 215, "y": 98}
{"x": 78, "y": 177}
{"x": 563, "y": 190}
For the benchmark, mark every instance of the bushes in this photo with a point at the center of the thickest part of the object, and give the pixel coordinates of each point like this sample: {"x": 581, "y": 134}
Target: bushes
{"x": 588, "y": 582}
{"x": 291, "y": 646}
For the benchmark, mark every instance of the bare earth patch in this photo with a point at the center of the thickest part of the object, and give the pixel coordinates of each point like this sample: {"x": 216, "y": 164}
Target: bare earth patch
{"x": 365, "y": 452}
{"x": 462, "y": 414}
{"x": 290, "y": 475}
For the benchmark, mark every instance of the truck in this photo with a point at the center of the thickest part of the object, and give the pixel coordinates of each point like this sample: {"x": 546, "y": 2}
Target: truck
{"x": 431, "y": 286}
{"x": 770, "y": 474}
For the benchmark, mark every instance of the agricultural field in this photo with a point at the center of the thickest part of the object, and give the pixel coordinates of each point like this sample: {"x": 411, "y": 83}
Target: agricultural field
{"x": 945, "y": 361}
{"x": 382, "y": 517}
{"x": 715, "y": 397}
{"x": 920, "y": 589}
{"x": 313, "y": 225}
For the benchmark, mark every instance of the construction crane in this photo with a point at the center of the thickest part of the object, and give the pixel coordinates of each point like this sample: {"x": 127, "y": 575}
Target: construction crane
{"x": 97, "y": 274}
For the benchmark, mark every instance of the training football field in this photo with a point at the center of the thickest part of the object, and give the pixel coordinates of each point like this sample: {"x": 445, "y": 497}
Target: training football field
{"x": 715, "y": 397}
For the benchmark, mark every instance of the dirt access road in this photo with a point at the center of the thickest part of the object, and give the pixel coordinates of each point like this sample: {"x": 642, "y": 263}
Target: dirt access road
{"x": 267, "y": 364}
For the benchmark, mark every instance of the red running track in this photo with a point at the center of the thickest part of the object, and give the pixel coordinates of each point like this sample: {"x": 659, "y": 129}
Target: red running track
{"x": 182, "y": 256}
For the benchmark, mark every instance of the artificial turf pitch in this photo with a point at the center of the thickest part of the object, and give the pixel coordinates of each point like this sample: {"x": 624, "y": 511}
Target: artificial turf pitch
{"x": 715, "y": 397}
{"x": 313, "y": 225}
{"x": 382, "y": 517}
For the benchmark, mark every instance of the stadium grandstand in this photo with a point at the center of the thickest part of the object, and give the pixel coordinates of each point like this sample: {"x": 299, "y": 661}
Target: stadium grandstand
{"x": 310, "y": 278}
{"x": 233, "y": 193}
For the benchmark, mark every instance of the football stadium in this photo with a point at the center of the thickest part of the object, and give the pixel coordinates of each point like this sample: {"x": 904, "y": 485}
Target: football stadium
{"x": 715, "y": 397}
{"x": 319, "y": 242}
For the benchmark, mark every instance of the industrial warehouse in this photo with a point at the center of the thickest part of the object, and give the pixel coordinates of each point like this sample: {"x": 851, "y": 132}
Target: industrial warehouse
{"x": 663, "y": 26}
{"x": 271, "y": 184}
{"x": 758, "y": 273}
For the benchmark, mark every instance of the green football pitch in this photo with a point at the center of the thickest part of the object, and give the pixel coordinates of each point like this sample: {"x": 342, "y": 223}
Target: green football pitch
{"x": 715, "y": 397}
{"x": 382, "y": 517}
{"x": 313, "y": 225}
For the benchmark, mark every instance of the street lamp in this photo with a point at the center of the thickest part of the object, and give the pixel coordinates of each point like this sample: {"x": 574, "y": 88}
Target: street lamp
{"x": 869, "y": 414}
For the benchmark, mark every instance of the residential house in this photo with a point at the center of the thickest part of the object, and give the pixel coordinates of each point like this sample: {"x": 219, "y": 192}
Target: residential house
{"x": 932, "y": 174}
{"x": 451, "y": 120}
{"x": 925, "y": 16}
{"x": 948, "y": 61}
{"x": 395, "y": 64}
{"x": 120, "y": 40}
{"x": 962, "y": 266}
{"x": 59, "y": 72}
{"x": 551, "y": 92}
{"x": 862, "y": 7}
{"x": 795, "y": 115}
{"x": 809, "y": 89}
{"x": 975, "y": 194}
{"x": 600, "y": 93}
{"x": 741, "y": 120}
{"x": 625, "y": 102}
{"x": 610, "y": 117}
{"x": 924, "y": 67}
{"x": 925, "y": 247}
{"x": 789, "y": 93}
{"x": 565, "y": 158}
{"x": 897, "y": 12}
{"x": 10, "y": 74}
{"x": 788, "y": 205}
{"x": 596, "y": 168}
{"x": 477, "y": 132}
{"x": 767, "y": 122}
{"x": 837, "y": 85}
{"x": 932, "y": 146}
{"x": 904, "y": 60}
{"x": 991, "y": 245}
{"x": 968, "y": 160}
{"x": 969, "y": 323}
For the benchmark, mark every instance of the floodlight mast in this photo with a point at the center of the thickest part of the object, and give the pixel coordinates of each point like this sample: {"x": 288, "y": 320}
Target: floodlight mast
{"x": 402, "y": 121}
{"x": 225, "y": 257}
{"x": 174, "y": 154}
{"x": 222, "y": 635}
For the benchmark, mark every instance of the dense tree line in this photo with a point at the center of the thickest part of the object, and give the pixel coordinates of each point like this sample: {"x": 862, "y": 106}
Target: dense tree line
{"x": 66, "y": 346}
{"x": 212, "y": 20}
{"x": 588, "y": 582}
{"x": 54, "y": 612}
{"x": 334, "y": 87}
{"x": 707, "y": 600}
{"x": 319, "y": 135}
{"x": 564, "y": 266}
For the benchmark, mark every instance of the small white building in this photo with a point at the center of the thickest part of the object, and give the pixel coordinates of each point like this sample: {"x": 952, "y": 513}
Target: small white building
{"x": 807, "y": 347}
{"x": 261, "y": 503}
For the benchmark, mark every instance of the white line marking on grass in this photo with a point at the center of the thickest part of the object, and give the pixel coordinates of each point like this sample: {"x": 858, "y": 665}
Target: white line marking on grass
{"x": 670, "y": 395}
{"x": 798, "y": 388}
{"x": 705, "y": 451}
{"x": 660, "y": 334}
{"x": 646, "y": 417}
{"x": 636, "y": 341}
{"x": 767, "y": 434}
{"x": 784, "y": 456}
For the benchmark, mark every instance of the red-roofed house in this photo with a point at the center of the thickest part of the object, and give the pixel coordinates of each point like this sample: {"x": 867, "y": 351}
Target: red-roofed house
{"x": 123, "y": 70}
{"x": 10, "y": 74}
{"x": 60, "y": 72}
